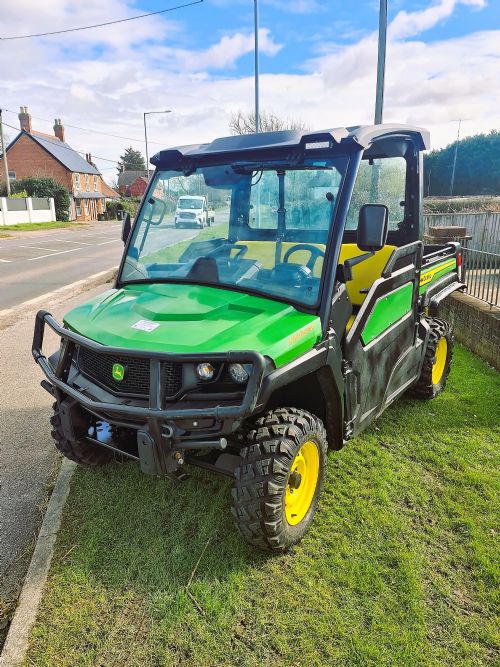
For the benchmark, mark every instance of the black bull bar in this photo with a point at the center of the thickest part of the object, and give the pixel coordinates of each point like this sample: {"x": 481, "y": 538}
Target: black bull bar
{"x": 155, "y": 411}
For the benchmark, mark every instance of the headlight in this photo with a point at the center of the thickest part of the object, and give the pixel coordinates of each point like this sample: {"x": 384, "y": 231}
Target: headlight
{"x": 240, "y": 373}
{"x": 205, "y": 371}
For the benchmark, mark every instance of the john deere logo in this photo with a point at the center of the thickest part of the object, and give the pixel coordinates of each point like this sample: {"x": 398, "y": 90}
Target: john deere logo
{"x": 118, "y": 372}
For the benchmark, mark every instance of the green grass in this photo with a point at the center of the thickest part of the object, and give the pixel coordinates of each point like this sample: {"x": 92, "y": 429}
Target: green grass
{"x": 400, "y": 567}
{"x": 36, "y": 226}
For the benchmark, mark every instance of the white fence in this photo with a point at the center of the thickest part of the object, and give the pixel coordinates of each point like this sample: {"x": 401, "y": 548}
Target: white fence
{"x": 26, "y": 210}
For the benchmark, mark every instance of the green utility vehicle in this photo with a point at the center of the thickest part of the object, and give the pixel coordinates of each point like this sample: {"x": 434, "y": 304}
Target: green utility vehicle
{"x": 251, "y": 347}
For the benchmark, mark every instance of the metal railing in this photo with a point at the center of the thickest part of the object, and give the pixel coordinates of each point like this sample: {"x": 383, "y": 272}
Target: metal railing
{"x": 481, "y": 273}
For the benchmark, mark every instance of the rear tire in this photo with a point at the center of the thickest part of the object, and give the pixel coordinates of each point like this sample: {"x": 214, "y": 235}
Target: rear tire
{"x": 437, "y": 361}
{"x": 273, "y": 503}
{"x": 82, "y": 452}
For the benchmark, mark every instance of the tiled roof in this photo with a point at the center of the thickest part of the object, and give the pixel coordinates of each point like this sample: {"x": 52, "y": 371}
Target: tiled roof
{"x": 108, "y": 192}
{"x": 128, "y": 177}
{"x": 63, "y": 153}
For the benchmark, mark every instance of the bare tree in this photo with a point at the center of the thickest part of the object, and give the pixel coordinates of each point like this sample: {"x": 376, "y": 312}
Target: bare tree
{"x": 244, "y": 123}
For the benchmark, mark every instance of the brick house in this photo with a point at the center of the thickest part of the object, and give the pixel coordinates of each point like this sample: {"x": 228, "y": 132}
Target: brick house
{"x": 36, "y": 154}
{"x": 133, "y": 183}
{"x": 138, "y": 187}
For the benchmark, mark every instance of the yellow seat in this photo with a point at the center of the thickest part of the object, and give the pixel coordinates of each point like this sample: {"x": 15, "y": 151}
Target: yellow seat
{"x": 366, "y": 272}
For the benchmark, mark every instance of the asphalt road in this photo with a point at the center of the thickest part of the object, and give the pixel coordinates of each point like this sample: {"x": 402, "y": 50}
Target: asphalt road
{"x": 35, "y": 263}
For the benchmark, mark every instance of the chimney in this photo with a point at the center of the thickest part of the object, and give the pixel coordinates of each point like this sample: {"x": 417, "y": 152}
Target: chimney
{"x": 88, "y": 157}
{"x": 25, "y": 120}
{"x": 58, "y": 129}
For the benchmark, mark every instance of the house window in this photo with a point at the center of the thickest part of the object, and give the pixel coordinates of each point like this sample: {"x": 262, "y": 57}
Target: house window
{"x": 78, "y": 206}
{"x": 77, "y": 182}
{"x": 12, "y": 175}
{"x": 86, "y": 204}
{"x": 95, "y": 184}
{"x": 87, "y": 182}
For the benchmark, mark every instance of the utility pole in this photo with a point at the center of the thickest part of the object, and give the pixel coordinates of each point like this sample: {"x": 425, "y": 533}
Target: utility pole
{"x": 256, "y": 67}
{"x": 452, "y": 182}
{"x": 382, "y": 42}
{"x": 379, "y": 97}
{"x": 4, "y": 154}
{"x": 147, "y": 113}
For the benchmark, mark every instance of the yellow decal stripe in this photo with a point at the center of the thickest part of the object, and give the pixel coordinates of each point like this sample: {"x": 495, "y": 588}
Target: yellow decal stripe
{"x": 429, "y": 275}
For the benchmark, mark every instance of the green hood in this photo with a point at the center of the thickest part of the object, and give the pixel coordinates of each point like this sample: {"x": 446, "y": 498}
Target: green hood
{"x": 195, "y": 319}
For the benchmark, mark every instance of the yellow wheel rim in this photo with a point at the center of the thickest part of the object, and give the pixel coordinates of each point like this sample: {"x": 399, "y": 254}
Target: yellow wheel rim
{"x": 302, "y": 482}
{"x": 439, "y": 360}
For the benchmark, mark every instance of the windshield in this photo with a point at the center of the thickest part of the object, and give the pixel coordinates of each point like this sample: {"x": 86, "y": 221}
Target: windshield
{"x": 185, "y": 202}
{"x": 263, "y": 230}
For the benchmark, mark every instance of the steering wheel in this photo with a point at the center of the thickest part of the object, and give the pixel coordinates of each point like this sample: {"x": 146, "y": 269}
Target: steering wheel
{"x": 313, "y": 250}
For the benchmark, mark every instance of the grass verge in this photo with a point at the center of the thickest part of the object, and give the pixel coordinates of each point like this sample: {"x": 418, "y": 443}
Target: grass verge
{"x": 37, "y": 226}
{"x": 400, "y": 567}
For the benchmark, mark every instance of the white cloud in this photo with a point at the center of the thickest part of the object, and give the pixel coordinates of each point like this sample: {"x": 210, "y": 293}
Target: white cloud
{"x": 408, "y": 24}
{"x": 118, "y": 76}
{"x": 227, "y": 51}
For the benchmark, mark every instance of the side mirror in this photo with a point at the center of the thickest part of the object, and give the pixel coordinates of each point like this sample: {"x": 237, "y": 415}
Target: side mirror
{"x": 126, "y": 228}
{"x": 373, "y": 226}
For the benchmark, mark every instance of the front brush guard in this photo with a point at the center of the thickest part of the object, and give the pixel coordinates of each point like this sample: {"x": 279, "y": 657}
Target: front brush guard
{"x": 156, "y": 416}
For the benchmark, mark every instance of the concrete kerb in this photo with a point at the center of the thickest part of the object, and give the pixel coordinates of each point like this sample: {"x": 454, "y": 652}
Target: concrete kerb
{"x": 16, "y": 644}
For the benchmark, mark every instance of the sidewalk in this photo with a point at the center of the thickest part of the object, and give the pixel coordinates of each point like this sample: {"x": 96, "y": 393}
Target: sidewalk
{"x": 28, "y": 461}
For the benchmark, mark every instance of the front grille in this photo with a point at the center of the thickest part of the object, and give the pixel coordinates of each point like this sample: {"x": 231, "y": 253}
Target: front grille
{"x": 172, "y": 373}
{"x": 188, "y": 216}
{"x": 99, "y": 367}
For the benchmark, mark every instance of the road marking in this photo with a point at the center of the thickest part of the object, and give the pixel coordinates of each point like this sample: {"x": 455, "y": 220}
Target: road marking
{"x": 75, "y": 242}
{"x": 53, "y": 254}
{"x": 7, "y": 261}
{"x": 58, "y": 292}
{"x": 105, "y": 242}
{"x": 35, "y": 247}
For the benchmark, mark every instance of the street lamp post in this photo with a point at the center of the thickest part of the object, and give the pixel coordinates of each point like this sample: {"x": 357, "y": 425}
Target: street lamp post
{"x": 382, "y": 42}
{"x": 148, "y": 113}
{"x": 256, "y": 61}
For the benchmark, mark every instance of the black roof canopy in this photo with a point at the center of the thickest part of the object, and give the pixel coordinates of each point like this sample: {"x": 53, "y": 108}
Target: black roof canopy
{"x": 359, "y": 137}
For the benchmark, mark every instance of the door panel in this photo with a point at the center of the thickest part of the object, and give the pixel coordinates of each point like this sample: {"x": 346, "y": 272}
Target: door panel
{"x": 380, "y": 346}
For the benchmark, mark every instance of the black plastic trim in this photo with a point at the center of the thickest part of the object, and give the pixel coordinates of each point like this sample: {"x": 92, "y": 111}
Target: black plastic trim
{"x": 154, "y": 411}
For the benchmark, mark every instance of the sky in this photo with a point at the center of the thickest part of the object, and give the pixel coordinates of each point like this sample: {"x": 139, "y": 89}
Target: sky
{"x": 317, "y": 64}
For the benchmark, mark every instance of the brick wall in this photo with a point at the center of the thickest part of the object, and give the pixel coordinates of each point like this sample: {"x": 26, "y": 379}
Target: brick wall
{"x": 475, "y": 325}
{"x": 27, "y": 158}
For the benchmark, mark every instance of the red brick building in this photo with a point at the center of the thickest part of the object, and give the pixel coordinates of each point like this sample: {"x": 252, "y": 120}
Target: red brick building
{"x": 138, "y": 187}
{"x": 36, "y": 154}
{"x": 133, "y": 183}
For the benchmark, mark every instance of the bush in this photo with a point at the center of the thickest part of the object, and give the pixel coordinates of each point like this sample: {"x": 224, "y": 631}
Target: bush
{"x": 45, "y": 187}
{"x": 127, "y": 205}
